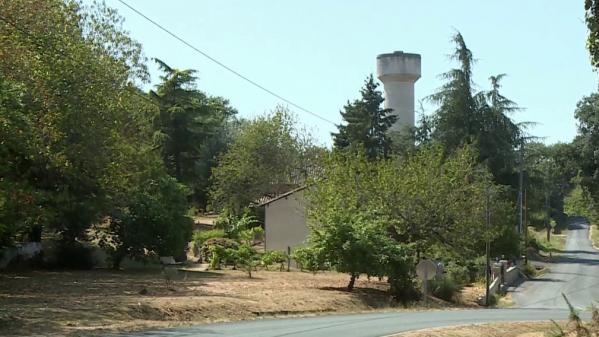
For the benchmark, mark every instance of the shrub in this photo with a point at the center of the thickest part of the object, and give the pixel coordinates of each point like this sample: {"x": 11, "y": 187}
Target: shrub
{"x": 274, "y": 257}
{"x": 202, "y": 236}
{"x": 247, "y": 257}
{"x": 215, "y": 256}
{"x": 444, "y": 288}
{"x": 458, "y": 273}
{"x": 308, "y": 259}
{"x": 224, "y": 243}
{"x": 403, "y": 288}
{"x": 233, "y": 225}
{"x": 74, "y": 256}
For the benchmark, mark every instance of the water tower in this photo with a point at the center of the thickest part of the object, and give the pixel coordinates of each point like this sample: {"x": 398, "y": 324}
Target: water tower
{"x": 399, "y": 71}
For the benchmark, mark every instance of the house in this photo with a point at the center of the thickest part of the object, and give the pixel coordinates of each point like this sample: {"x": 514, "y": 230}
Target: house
{"x": 285, "y": 221}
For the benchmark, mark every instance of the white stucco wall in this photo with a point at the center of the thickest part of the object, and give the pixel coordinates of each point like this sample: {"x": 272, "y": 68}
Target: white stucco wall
{"x": 285, "y": 222}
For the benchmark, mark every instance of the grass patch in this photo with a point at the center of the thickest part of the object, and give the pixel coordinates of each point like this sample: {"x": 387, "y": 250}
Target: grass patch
{"x": 556, "y": 243}
{"x": 594, "y": 236}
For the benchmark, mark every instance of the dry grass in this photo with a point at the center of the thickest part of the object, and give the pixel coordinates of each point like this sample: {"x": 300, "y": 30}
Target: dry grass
{"x": 518, "y": 329}
{"x": 101, "y": 301}
{"x": 557, "y": 241}
{"x": 594, "y": 234}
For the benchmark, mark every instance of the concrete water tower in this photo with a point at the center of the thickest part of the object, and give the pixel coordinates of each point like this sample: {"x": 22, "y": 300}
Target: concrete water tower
{"x": 399, "y": 71}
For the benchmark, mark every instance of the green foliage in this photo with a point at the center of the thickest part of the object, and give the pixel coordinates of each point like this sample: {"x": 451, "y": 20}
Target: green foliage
{"x": 591, "y": 8}
{"x": 80, "y": 145}
{"x": 308, "y": 258}
{"x": 481, "y": 119}
{"x": 579, "y": 203}
{"x": 248, "y": 258}
{"x": 154, "y": 221}
{"x": 444, "y": 288}
{"x": 457, "y": 273}
{"x": 249, "y": 235}
{"x": 188, "y": 127}
{"x": 586, "y": 144}
{"x": 366, "y": 123}
{"x": 233, "y": 225}
{"x": 273, "y": 257}
{"x": 200, "y": 237}
{"x": 369, "y": 217}
{"x": 269, "y": 156}
{"x": 222, "y": 243}
{"x": 550, "y": 178}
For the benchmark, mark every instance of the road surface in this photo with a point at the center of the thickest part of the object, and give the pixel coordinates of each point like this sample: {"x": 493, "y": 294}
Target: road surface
{"x": 358, "y": 325}
{"x": 575, "y": 273}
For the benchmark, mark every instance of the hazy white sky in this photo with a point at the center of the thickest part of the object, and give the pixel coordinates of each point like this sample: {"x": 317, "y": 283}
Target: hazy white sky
{"x": 317, "y": 53}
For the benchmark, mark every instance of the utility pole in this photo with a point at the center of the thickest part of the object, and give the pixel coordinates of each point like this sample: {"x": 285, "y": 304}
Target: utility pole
{"x": 488, "y": 247}
{"x": 520, "y": 187}
{"x": 525, "y": 229}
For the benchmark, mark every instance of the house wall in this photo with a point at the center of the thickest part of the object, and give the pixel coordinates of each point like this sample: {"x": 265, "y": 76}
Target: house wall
{"x": 285, "y": 222}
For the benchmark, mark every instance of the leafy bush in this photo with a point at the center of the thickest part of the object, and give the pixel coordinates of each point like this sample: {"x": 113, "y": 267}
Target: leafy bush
{"x": 444, "y": 288}
{"x": 215, "y": 256}
{"x": 202, "y": 236}
{"x": 74, "y": 256}
{"x": 153, "y": 220}
{"x": 274, "y": 257}
{"x": 458, "y": 273}
{"x": 233, "y": 225}
{"x": 308, "y": 259}
{"x": 248, "y": 258}
{"x": 208, "y": 249}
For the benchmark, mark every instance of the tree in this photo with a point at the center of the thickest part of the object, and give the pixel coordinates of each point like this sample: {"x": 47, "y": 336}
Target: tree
{"x": 78, "y": 132}
{"x": 152, "y": 223}
{"x": 75, "y": 67}
{"x": 366, "y": 123}
{"x": 364, "y": 212}
{"x": 265, "y": 159}
{"x": 456, "y": 119}
{"x": 592, "y": 20}
{"x": 482, "y": 119}
{"x": 579, "y": 203}
{"x": 587, "y": 143}
{"x": 188, "y": 128}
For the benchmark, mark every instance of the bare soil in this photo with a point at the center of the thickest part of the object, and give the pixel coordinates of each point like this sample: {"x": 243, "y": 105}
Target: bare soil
{"x": 507, "y": 329}
{"x": 87, "y": 303}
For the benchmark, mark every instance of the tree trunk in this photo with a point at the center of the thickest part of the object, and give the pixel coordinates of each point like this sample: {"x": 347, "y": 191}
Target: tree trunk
{"x": 352, "y": 281}
{"x": 548, "y": 233}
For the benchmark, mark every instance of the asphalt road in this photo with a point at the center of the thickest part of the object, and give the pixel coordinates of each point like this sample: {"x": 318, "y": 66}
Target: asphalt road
{"x": 575, "y": 272}
{"x": 358, "y": 325}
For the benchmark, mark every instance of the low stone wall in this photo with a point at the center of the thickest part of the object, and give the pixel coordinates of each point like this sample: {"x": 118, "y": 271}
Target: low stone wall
{"x": 511, "y": 276}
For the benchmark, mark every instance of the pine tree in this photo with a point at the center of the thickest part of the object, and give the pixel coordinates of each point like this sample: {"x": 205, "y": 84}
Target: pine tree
{"x": 482, "y": 119}
{"x": 366, "y": 123}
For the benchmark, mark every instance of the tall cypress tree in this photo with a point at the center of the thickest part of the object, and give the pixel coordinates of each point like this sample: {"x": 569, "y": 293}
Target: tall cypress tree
{"x": 366, "y": 123}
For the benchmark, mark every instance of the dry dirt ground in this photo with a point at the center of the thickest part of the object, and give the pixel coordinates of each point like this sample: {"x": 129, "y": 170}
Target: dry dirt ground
{"x": 44, "y": 303}
{"x": 520, "y": 329}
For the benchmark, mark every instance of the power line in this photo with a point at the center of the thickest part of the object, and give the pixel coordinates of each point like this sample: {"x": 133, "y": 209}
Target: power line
{"x": 225, "y": 66}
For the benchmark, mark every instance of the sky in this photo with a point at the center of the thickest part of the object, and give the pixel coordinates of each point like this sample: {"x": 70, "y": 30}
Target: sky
{"x": 318, "y": 53}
